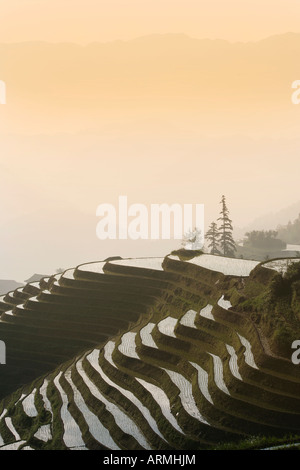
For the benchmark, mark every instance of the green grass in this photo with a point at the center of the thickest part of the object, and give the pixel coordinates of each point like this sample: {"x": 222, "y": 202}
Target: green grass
{"x": 72, "y": 319}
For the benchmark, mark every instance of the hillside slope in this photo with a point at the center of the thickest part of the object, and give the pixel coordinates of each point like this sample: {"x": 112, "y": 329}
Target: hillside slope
{"x": 153, "y": 355}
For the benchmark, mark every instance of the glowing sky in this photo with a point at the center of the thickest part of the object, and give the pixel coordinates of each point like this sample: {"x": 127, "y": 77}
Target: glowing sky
{"x": 84, "y": 21}
{"x": 147, "y": 111}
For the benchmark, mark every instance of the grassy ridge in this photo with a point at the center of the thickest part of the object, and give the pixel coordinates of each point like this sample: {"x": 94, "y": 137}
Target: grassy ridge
{"x": 85, "y": 311}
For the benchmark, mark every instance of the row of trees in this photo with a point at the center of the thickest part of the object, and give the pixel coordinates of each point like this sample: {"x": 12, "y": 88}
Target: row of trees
{"x": 220, "y": 239}
{"x": 264, "y": 239}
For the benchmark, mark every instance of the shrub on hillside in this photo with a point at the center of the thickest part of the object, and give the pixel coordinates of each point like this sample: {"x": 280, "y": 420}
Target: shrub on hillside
{"x": 293, "y": 273}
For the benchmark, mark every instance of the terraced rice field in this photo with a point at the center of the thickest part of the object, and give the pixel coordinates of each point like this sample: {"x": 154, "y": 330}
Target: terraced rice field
{"x": 280, "y": 265}
{"x": 227, "y": 266}
{"x": 140, "y": 354}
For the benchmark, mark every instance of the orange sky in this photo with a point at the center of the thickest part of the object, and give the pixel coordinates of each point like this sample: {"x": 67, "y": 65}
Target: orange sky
{"x": 84, "y": 21}
{"x": 162, "y": 118}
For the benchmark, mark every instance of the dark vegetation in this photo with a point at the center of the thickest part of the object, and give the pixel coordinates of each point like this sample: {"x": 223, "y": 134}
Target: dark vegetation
{"x": 272, "y": 300}
{"x": 290, "y": 233}
{"x": 264, "y": 240}
{"x": 261, "y": 410}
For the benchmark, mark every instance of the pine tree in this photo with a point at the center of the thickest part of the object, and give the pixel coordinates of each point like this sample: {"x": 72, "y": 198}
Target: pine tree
{"x": 212, "y": 236}
{"x": 226, "y": 241}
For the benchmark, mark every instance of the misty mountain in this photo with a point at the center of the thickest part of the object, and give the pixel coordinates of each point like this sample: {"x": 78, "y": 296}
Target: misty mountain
{"x": 190, "y": 75}
{"x": 55, "y": 237}
{"x": 8, "y": 285}
{"x": 272, "y": 220}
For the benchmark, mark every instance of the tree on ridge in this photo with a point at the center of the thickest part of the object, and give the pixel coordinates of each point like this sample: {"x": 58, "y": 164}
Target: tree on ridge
{"x": 226, "y": 242}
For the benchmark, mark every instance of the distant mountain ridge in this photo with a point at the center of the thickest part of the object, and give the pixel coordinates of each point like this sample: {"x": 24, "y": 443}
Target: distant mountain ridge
{"x": 149, "y": 353}
{"x": 272, "y": 220}
{"x": 8, "y": 285}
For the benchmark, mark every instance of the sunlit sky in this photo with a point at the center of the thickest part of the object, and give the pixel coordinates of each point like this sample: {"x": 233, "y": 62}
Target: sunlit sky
{"x": 147, "y": 112}
{"x": 84, "y": 21}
